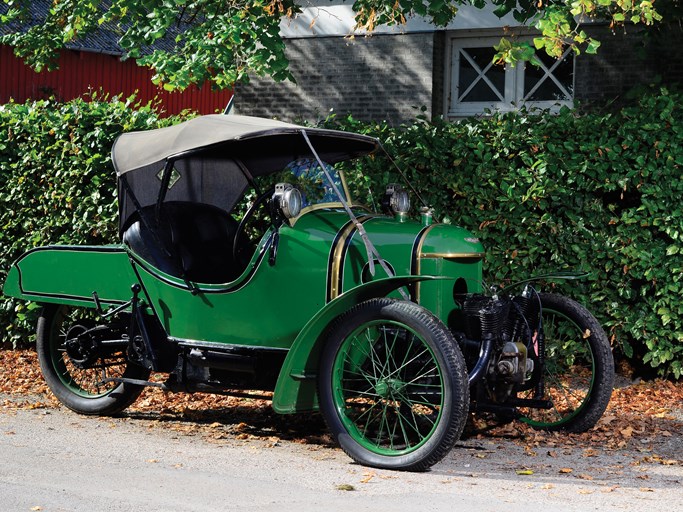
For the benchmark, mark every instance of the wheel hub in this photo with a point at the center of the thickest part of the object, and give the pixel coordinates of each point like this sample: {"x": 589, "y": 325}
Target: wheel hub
{"x": 80, "y": 346}
{"x": 387, "y": 388}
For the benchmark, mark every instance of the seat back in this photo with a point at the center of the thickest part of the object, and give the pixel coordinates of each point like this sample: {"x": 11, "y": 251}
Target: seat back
{"x": 190, "y": 240}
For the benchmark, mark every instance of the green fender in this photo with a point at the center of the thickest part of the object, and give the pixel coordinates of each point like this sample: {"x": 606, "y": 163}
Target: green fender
{"x": 296, "y": 388}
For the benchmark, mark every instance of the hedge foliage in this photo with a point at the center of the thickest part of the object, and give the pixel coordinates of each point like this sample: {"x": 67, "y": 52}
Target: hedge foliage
{"x": 594, "y": 192}
{"x": 570, "y": 192}
{"x": 57, "y": 184}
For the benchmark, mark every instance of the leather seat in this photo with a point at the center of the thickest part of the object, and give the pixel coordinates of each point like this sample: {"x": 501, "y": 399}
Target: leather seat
{"x": 191, "y": 241}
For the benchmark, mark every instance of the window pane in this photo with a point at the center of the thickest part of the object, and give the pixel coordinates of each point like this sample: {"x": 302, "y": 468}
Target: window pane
{"x": 473, "y": 63}
{"x": 548, "y": 89}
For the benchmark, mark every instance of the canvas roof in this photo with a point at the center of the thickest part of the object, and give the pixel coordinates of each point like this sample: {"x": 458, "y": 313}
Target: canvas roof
{"x": 263, "y": 145}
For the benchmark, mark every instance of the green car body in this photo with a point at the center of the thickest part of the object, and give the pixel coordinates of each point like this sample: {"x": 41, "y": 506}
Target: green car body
{"x": 320, "y": 259}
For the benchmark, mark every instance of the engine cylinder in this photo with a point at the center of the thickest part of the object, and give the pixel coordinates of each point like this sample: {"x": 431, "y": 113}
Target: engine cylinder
{"x": 485, "y": 316}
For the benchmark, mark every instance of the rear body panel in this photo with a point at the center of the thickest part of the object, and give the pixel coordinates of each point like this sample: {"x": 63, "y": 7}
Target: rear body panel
{"x": 71, "y": 274}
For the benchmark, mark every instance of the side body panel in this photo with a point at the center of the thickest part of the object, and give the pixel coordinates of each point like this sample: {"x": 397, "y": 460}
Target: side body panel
{"x": 267, "y": 305}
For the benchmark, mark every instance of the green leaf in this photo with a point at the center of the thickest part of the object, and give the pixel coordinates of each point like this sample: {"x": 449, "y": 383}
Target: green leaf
{"x": 593, "y": 46}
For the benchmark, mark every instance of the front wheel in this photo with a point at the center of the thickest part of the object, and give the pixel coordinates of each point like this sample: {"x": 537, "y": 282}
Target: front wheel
{"x": 393, "y": 386}
{"x": 76, "y": 360}
{"x": 579, "y": 368}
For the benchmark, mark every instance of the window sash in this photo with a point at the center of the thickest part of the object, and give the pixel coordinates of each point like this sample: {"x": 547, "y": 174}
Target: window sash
{"x": 512, "y": 96}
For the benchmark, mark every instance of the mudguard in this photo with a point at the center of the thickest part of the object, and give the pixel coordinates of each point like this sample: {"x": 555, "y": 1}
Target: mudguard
{"x": 66, "y": 274}
{"x": 296, "y": 388}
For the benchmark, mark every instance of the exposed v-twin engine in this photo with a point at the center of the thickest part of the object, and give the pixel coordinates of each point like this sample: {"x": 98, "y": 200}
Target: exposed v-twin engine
{"x": 509, "y": 325}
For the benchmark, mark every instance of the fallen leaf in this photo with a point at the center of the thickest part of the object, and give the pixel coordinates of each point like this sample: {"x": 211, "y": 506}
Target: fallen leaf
{"x": 345, "y": 487}
{"x": 524, "y": 472}
{"x": 368, "y": 476}
{"x": 566, "y": 470}
{"x": 393, "y": 477}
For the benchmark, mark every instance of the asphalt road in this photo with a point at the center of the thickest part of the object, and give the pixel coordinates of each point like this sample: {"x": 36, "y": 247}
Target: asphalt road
{"x": 54, "y": 460}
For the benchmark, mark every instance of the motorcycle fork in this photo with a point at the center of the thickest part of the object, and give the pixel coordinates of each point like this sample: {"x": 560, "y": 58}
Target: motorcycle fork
{"x": 539, "y": 392}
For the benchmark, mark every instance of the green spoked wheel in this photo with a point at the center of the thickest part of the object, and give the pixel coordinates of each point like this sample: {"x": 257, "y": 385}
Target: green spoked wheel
{"x": 77, "y": 355}
{"x": 393, "y": 385}
{"x": 578, "y": 370}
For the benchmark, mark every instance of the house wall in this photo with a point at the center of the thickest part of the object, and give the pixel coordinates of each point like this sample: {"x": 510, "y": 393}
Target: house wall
{"x": 386, "y": 75}
{"x": 82, "y": 72}
{"x": 628, "y": 57}
{"x": 378, "y": 77}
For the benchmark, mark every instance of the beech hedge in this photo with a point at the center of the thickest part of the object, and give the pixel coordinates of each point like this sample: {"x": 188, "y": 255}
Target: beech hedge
{"x": 57, "y": 184}
{"x": 594, "y": 192}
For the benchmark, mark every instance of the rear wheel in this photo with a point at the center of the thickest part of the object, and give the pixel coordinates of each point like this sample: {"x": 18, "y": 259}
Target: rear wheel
{"x": 578, "y": 371}
{"x": 75, "y": 361}
{"x": 393, "y": 386}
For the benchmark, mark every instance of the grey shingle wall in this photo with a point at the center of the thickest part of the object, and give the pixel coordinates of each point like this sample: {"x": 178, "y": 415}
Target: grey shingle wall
{"x": 379, "y": 77}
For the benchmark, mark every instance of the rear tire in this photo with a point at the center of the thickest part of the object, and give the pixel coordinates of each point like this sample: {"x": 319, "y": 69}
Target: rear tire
{"x": 579, "y": 368}
{"x": 393, "y": 386}
{"x": 79, "y": 386}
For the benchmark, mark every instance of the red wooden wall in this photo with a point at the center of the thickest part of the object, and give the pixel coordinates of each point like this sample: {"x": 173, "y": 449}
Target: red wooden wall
{"x": 80, "y": 72}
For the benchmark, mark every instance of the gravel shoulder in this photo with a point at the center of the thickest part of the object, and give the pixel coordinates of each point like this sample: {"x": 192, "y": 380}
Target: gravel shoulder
{"x": 56, "y": 460}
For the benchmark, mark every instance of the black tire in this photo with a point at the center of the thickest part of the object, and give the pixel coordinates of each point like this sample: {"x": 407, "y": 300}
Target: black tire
{"x": 398, "y": 400}
{"x": 579, "y": 368}
{"x": 80, "y": 388}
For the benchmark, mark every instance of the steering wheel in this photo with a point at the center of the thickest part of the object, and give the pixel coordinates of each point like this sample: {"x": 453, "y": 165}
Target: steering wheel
{"x": 237, "y": 246}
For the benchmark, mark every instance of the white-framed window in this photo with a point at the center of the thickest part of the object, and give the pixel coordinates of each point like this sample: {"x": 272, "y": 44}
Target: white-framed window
{"x": 475, "y": 84}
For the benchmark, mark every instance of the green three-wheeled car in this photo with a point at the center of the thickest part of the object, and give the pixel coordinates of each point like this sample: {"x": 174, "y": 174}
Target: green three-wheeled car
{"x": 245, "y": 264}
